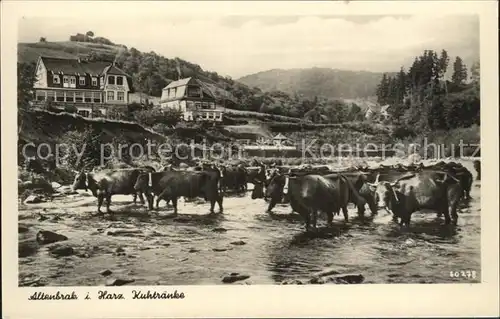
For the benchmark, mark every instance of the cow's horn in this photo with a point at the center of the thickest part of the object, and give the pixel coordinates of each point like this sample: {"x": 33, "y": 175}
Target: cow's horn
{"x": 376, "y": 179}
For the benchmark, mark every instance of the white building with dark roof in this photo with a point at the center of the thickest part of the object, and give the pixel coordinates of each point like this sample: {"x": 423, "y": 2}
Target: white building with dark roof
{"x": 193, "y": 99}
{"x": 88, "y": 86}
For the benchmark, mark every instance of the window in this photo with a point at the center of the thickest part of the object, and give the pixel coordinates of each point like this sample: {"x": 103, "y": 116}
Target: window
{"x": 111, "y": 96}
{"x": 119, "y": 80}
{"x": 82, "y": 80}
{"x": 65, "y": 79}
{"x": 50, "y": 95}
{"x": 94, "y": 81}
{"x": 40, "y": 95}
{"x": 59, "y": 96}
{"x": 70, "y": 97}
{"x": 97, "y": 97}
{"x": 111, "y": 79}
{"x": 194, "y": 91}
{"x": 120, "y": 96}
{"x": 88, "y": 97}
{"x": 84, "y": 113}
{"x": 197, "y": 104}
{"x": 102, "y": 80}
{"x": 78, "y": 96}
{"x": 56, "y": 79}
{"x": 73, "y": 80}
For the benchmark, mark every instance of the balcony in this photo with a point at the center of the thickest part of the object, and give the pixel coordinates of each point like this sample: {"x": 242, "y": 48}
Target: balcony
{"x": 202, "y": 115}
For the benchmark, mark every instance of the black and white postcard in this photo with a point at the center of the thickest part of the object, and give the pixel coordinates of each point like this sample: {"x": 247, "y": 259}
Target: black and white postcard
{"x": 209, "y": 159}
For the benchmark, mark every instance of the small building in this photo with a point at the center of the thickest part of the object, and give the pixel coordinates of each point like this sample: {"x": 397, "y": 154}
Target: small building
{"x": 193, "y": 99}
{"x": 88, "y": 86}
{"x": 384, "y": 114}
{"x": 280, "y": 140}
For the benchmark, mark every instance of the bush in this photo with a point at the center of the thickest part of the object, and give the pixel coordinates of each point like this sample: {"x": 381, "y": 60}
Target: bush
{"x": 89, "y": 141}
{"x": 32, "y": 183}
{"x": 402, "y": 132}
{"x": 70, "y": 109}
{"x": 154, "y": 116}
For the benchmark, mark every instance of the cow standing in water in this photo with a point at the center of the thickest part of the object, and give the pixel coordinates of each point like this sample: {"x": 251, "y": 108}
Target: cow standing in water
{"x": 309, "y": 194}
{"x": 109, "y": 182}
{"x": 458, "y": 171}
{"x": 362, "y": 194}
{"x": 171, "y": 185}
{"x": 233, "y": 177}
{"x": 433, "y": 190}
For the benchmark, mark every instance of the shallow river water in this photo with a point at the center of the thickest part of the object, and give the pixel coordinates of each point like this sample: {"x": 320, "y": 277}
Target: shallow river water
{"x": 195, "y": 248}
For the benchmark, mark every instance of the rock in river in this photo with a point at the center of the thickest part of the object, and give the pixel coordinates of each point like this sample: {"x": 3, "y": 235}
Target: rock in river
{"x": 55, "y": 185}
{"x": 345, "y": 279}
{"x": 234, "y": 277}
{"x": 238, "y": 243}
{"x": 22, "y": 229}
{"x": 47, "y": 237}
{"x": 118, "y": 282}
{"x": 106, "y": 272}
{"x": 33, "y": 199}
{"x": 124, "y": 232}
{"x": 292, "y": 282}
{"x": 219, "y": 230}
{"x": 61, "y": 251}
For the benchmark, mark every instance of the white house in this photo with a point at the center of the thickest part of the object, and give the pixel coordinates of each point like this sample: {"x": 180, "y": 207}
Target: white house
{"x": 193, "y": 99}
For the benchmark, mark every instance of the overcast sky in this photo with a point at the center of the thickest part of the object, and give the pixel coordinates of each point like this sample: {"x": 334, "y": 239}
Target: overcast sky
{"x": 237, "y": 46}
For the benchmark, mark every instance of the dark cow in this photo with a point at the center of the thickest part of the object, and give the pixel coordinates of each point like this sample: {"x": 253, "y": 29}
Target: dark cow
{"x": 109, "y": 182}
{"x": 362, "y": 189}
{"x": 312, "y": 193}
{"x": 432, "y": 190}
{"x": 477, "y": 167}
{"x": 234, "y": 178}
{"x": 174, "y": 184}
{"x": 458, "y": 171}
{"x": 201, "y": 166}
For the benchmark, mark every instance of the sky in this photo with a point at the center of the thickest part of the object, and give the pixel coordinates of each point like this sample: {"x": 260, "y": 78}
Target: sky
{"x": 242, "y": 45}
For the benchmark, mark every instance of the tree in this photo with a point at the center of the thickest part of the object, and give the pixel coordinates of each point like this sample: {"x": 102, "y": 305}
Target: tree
{"x": 383, "y": 89}
{"x": 42, "y": 39}
{"x": 459, "y": 75}
{"x": 443, "y": 62}
{"x": 25, "y": 81}
{"x": 89, "y": 33}
{"x": 475, "y": 74}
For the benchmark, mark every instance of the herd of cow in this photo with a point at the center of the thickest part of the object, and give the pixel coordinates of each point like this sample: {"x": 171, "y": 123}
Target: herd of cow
{"x": 400, "y": 190}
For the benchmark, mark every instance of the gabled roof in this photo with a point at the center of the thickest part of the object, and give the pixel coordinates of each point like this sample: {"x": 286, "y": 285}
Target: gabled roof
{"x": 280, "y": 137}
{"x": 75, "y": 66}
{"x": 180, "y": 89}
{"x": 112, "y": 69}
{"x": 181, "y": 82}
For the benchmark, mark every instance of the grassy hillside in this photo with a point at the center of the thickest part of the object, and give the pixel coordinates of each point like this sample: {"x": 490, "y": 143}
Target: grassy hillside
{"x": 29, "y": 52}
{"x": 313, "y": 82}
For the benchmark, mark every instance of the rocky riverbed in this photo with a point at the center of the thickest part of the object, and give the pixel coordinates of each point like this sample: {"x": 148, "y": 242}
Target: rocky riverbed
{"x": 64, "y": 243}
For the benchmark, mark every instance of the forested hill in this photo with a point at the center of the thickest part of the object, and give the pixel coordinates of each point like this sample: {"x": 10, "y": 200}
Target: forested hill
{"x": 330, "y": 83}
{"x": 151, "y": 72}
